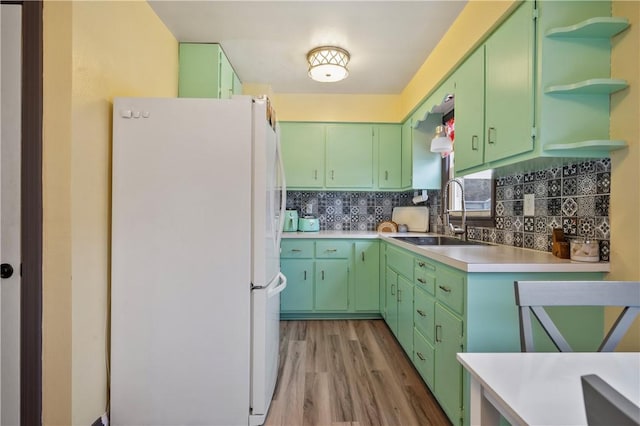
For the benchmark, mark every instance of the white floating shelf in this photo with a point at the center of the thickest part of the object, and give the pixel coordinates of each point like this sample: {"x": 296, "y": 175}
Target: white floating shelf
{"x": 599, "y": 27}
{"x": 594, "y": 86}
{"x": 602, "y": 145}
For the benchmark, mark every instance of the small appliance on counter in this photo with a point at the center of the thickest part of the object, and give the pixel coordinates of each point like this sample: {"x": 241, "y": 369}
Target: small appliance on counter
{"x": 308, "y": 224}
{"x": 290, "y": 221}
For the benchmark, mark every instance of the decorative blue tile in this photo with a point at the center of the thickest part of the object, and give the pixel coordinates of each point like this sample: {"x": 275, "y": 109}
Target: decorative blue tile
{"x": 554, "y": 173}
{"x": 569, "y": 186}
{"x": 528, "y": 240}
{"x": 586, "y": 167}
{"x": 529, "y": 177}
{"x": 602, "y": 228}
{"x": 528, "y": 188}
{"x": 603, "y": 183}
{"x": 540, "y": 225}
{"x": 540, "y": 242}
{"x": 586, "y": 227}
{"x": 605, "y": 250}
{"x": 553, "y": 222}
{"x": 586, "y": 206}
{"x": 569, "y": 170}
{"x": 603, "y": 165}
{"x": 508, "y": 192}
{"x": 554, "y": 188}
{"x": 517, "y": 224}
{"x": 554, "y": 206}
{"x": 500, "y": 222}
{"x": 569, "y": 207}
{"x": 518, "y": 193}
{"x": 540, "y": 207}
{"x": 518, "y": 239}
{"x": 499, "y": 193}
{"x": 587, "y": 184}
{"x": 570, "y": 225}
{"x": 541, "y": 189}
{"x": 541, "y": 175}
{"x": 529, "y": 224}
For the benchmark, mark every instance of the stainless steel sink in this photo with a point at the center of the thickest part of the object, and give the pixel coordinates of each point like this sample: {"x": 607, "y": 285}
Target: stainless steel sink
{"x": 438, "y": 241}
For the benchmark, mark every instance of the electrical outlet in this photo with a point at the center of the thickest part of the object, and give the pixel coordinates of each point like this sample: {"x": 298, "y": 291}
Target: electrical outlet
{"x": 529, "y": 205}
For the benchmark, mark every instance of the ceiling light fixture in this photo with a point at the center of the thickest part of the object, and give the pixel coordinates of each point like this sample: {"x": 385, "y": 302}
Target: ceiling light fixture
{"x": 441, "y": 142}
{"x": 328, "y": 64}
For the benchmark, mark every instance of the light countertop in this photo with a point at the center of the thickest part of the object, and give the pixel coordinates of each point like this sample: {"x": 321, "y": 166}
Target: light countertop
{"x": 481, "y": 258}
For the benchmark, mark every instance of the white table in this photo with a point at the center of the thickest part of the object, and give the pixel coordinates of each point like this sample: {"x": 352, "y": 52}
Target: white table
{"x": 543, "y": 388}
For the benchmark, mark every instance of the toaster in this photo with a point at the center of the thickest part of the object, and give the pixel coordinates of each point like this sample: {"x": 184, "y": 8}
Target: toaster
{"x": 308, "y": 224}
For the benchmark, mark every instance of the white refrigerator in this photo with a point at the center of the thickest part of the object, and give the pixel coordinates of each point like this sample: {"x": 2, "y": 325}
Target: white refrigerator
{"x": 197, "y": 207}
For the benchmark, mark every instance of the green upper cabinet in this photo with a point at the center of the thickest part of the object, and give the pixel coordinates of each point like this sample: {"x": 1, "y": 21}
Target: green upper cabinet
{"x": 469, "y": 112}
{"x": 389, "y": 156}
{"x": 367, "y": 260}
{"x": 407, "y": 158}
{"x": 303, "y": 154}
{"x": 509, "y": 86}
{"x": 205, "y": 72}
{"x": 349, "y": 156}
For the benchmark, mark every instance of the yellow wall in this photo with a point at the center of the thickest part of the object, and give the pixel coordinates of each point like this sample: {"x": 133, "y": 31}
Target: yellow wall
{"x": 94, "y": 51}
{"x": 475, "y": 22}
{"x": 624, "y": 212}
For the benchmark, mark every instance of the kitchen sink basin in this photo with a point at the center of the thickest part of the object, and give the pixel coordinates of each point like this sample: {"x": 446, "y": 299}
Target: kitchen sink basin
{"x": 438, "y": 241}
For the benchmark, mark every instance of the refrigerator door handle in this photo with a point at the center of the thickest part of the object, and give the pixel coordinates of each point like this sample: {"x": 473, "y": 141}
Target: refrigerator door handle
{"x": 283, "y": 194}
{"x": 278, "y": 289}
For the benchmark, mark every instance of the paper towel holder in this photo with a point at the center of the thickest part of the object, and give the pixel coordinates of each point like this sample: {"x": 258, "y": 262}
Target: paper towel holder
{"x": 420, "y": 198}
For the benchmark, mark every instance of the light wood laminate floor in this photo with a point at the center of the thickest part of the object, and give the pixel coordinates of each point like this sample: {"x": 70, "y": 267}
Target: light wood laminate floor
{"x": 350, "y": 372}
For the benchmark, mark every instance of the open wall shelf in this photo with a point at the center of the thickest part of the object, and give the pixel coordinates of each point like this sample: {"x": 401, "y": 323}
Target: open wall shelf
{"x": 599, "y": 27}
{"x": 594, "y": 86}
{"x": 599, "y": 145}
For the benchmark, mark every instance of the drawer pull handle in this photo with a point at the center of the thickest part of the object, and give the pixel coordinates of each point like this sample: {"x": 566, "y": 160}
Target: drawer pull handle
{"x": 296, "y": 250}
{"x": 363, "y": 256}
{"x": 322, "y": 273}
{"x": 393, "y": 289}
{"x": 426, "y": 265}
{"x": 422, "y": 358}
{"x": 422, "y": 280}
{"x": 474, "y": 142}
{"x": 445, "y": 289}
{"x": 331, "y": 250}
{"x": 315, "y": 174}
{"x": 421, "y": 264}
{"x": 492, "y": 135}
{"x": 305, "y": 275}
{"x": 438, "y": 327}
{"x": 421, "y": 313}
{"x": 386, "y": 175}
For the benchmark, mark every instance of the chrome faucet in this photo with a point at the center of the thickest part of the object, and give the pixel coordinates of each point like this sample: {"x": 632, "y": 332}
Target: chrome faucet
{"x": 448, "y": 226}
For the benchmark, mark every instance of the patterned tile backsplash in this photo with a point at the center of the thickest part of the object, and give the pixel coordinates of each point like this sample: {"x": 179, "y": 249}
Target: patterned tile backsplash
{"x": 350, "y": 211}
{"x": 574, "y": 196}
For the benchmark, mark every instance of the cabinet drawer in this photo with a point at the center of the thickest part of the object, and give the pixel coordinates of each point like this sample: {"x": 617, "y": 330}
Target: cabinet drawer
{"x": 333, "y": 249}
{"x": 425, "y": 280}
{"x": 450, "y": 289}
{"x": 423, "y": 357}
{"x": 296, "y": 249}
{"x": 400, "y": 261}
{"x": 424, "y": 313}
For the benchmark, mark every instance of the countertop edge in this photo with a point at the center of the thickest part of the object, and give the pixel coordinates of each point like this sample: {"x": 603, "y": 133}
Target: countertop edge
{"x": 508, "y": 263}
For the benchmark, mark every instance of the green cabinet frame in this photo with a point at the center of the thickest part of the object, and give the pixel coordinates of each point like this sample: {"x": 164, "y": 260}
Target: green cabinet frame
{"x": 205, "y": 72}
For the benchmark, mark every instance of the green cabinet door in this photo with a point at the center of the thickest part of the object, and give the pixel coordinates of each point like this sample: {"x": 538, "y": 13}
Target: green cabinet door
{"x": 392, "y": 300}
{"x": 448, "y": 372}
{"x": 237, "y": 85}
{"x": 389, "y": 156}
{"x": 303, "y": 154}
{"x": 226, "y": 77}
{"x": 349, "y": 151}
{"x": 332, "y": 285}
{"x": 469, "y": 136}
{"x": 367, "y": 288}
{"x": 298, "y": 295}
{"x": 405, "y": 315}
{"x": 509, "y": 86}
{"x": 198, "y": 71}
{"x": 407, "y": 159}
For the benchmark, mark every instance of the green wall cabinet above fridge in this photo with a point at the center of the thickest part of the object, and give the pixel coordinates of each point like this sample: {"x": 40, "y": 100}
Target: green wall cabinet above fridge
{"x": 205, "y": 72}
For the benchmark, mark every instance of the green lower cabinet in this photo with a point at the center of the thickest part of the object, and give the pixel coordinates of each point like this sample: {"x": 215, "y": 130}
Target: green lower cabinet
{"x": 423, "y": 357}
{"x": 448, "y": 372}
{"x": 332, "y": 285}
{"x": 405, "y": 314}
{"x": 299, "y": 292}
{"x": 367, "y": 278}
{"x": 392, "y": 300}
{"x": 330, "y": 278}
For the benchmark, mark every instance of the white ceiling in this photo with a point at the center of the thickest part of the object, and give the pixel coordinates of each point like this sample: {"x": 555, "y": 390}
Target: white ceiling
{"x": 267, "y": 41}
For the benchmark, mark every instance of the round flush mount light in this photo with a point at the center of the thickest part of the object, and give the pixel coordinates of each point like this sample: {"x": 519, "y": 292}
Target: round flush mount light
{"x": 328, "y": 64}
